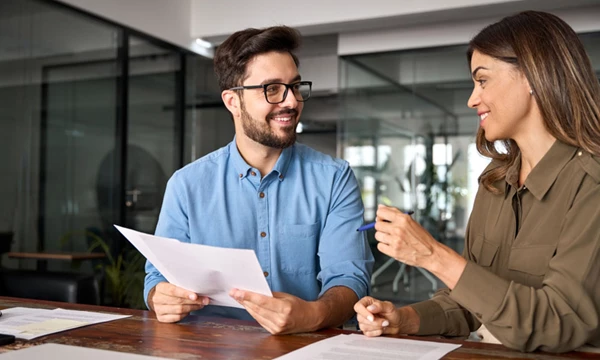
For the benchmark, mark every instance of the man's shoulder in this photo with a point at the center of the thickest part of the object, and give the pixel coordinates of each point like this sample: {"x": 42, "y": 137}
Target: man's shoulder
{"x": 312, "y": 156}
{"x": 202, "y": 165}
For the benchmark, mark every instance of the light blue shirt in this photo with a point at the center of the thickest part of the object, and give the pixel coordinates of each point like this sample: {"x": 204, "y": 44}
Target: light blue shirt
{"x": 300, "y": 220}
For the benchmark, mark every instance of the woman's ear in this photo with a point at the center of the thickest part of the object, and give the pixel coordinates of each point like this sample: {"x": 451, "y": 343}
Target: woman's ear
{"x": 232, "y": 102}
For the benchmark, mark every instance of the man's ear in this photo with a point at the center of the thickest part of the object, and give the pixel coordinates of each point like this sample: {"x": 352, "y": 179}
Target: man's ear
{"x": 232, "y": 101}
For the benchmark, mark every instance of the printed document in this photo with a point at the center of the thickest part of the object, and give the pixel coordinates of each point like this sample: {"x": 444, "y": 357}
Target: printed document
{"x": 360, "y": 347}
{"x": 206, "y": 270}
{"x": 29, "y": 323}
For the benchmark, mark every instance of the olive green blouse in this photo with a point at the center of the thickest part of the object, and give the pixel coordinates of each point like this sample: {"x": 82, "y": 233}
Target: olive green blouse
{"x": 533, "y": 269}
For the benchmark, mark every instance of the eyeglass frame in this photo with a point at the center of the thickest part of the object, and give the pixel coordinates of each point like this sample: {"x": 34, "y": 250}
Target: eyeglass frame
{"x": 285, "y": 93}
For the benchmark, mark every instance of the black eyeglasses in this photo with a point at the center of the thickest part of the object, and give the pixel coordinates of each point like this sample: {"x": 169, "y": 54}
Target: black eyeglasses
{"x": 276, "y": 93}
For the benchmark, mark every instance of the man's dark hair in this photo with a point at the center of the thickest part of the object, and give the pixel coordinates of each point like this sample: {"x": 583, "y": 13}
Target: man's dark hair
{"x": 232, "y": 56}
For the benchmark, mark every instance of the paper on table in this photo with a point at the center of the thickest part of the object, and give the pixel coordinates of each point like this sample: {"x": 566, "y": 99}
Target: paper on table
{"x": 360, "y": 347}
{"x": 49, "y": 326}
{"x": 206, "y": 270}
{"x": 30, "y": 323}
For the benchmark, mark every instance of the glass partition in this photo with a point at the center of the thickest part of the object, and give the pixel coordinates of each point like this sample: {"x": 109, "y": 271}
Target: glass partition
{"x": 91, "y": 128}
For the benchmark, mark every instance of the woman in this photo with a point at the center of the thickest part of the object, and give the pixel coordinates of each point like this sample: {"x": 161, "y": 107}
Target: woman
{"x": 531, "y": 266}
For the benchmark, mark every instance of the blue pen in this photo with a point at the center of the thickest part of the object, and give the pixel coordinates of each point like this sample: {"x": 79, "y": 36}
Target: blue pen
{"x": 372, "y": 225}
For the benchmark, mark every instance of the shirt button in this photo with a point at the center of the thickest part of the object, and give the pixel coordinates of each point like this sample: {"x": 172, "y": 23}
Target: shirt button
{"x": 252, "y": 173}
{"x": 241, "y": 176}
{"x": 262, "y": 194}
{"x": 281, "y": 176}
{"x": 580, "y": 153}
{"x": 266, "y": 274}
{"x": 263, "y": 234}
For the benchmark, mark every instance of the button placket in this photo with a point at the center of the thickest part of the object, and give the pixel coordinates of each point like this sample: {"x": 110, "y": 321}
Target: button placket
{"x": 263, "y": 242}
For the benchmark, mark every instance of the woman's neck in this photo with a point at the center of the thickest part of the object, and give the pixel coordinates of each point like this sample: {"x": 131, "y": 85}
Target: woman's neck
{"x": 533, "y": 148}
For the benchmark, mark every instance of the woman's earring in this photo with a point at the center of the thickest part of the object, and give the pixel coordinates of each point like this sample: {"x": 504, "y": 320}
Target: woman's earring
{"x": 531, "y": 92}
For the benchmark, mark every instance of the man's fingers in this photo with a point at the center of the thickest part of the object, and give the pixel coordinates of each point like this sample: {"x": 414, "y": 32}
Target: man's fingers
{"x": 262, "y": 318}
{"x": 179, "y": 309}
{"x": 163, "y": 299}
{"x": 243, "y": 296}
{"x": 170, "y": 318}
{"x": 184, "y": 310}
{"x": 175, "y": 291}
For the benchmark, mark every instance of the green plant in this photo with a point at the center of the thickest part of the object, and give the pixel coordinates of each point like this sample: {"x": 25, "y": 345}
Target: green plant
{"x": 123, "y": 274}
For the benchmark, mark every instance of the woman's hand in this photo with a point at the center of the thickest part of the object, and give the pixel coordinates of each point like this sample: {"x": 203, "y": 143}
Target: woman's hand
{"x": 377, "y": 317}
{"x": 402, "y": 238}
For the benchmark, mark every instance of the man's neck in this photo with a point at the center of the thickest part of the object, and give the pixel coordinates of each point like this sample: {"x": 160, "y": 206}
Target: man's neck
{"x": 261, "y": 157}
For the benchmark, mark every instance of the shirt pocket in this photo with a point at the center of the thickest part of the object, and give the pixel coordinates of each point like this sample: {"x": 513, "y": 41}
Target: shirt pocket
{"x": 484, "y": 251}
{"x": 297, "y": 248}
{"x": 533, "y": 259}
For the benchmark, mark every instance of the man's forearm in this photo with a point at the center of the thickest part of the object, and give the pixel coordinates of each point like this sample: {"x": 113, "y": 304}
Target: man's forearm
{"x": 335, "y": 307}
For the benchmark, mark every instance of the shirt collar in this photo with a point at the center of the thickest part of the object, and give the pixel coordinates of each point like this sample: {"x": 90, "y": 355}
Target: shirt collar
{"x": 284, "y": 161}
{"x": 242, "y": 168}
{"x": 543, "y": 175}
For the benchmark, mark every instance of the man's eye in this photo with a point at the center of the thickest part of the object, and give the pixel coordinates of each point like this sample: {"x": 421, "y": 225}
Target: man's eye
{"x": 272, "y": 88}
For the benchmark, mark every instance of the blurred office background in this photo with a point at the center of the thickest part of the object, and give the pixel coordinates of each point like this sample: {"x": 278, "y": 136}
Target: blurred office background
{"x": 100, "y": 102}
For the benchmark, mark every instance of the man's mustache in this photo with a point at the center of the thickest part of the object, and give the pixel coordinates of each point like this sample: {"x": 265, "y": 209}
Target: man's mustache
{"x": 292, "y": 112}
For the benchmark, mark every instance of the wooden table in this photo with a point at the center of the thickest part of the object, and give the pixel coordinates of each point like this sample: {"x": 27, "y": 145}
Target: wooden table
{"x": 42, "y": 257}
{"x": 211, "y": 338}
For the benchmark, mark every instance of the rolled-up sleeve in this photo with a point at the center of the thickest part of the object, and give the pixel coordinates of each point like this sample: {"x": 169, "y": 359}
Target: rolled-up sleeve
{"x": 172, "y": 223}
{"x": 344, "y": 254}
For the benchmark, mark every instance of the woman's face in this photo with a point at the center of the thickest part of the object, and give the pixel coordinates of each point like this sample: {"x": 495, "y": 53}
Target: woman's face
{"x": 501, "y": 96}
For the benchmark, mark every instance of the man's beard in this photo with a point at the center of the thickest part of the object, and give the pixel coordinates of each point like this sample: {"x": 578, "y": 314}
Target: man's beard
{"x": 262, "y": 132}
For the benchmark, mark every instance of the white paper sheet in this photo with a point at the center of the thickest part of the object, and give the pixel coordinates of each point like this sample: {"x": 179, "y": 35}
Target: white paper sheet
{"x": 68, "y": 352}
{"x": 360, "y": 347}
{"x": 206, "y": 270}
{"x": 29, "y": 323}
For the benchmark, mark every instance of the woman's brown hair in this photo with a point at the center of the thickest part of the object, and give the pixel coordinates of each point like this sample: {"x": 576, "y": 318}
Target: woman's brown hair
{"x": 551, "y": 56}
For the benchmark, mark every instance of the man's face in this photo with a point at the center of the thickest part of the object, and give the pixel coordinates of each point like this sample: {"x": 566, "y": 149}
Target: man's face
{"x": 272, "y": 125}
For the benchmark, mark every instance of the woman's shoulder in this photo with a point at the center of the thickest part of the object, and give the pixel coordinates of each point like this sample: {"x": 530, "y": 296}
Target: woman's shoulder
{"x": 589, "y": 163}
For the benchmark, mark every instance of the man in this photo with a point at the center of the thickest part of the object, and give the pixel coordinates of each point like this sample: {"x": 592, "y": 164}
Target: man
{"x": 296, "y": 208}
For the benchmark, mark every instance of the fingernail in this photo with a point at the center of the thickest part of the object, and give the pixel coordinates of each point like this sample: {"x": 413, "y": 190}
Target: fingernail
{"x": 371, "y": 307}
{"x": 205, "y": 301}
{"x": 385, "y": 323}
{"x": 370, "y": 318}
{"x": 193, "y": 296}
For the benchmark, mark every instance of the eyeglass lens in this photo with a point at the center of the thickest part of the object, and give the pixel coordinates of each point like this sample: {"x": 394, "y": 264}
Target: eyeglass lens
{"x": 275, "y": 92}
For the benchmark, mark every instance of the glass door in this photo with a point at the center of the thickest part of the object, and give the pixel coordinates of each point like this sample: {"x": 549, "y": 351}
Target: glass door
{"x": 154, "y": 134}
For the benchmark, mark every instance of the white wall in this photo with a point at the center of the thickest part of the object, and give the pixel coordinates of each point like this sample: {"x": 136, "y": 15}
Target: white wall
{"x": 217, "y": 18}
{"x": 450, "y": 32}
{"x": 166, "y": 20}
{"x": 379, "y": 25}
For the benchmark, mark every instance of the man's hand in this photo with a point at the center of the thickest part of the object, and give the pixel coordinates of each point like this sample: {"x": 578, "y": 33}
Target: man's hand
{"x": 172, "y": 303}
{"x": 281, "y": 314}
{"x": 382, "y": 317}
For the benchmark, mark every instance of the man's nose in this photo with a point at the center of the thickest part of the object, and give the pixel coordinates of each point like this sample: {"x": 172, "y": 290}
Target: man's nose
{"x": 290, "y": 100}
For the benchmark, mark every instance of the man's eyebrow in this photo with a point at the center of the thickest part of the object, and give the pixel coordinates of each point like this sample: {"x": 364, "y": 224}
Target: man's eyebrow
{"x": 477, "y": 69}
{"x": 278, "y": 80}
